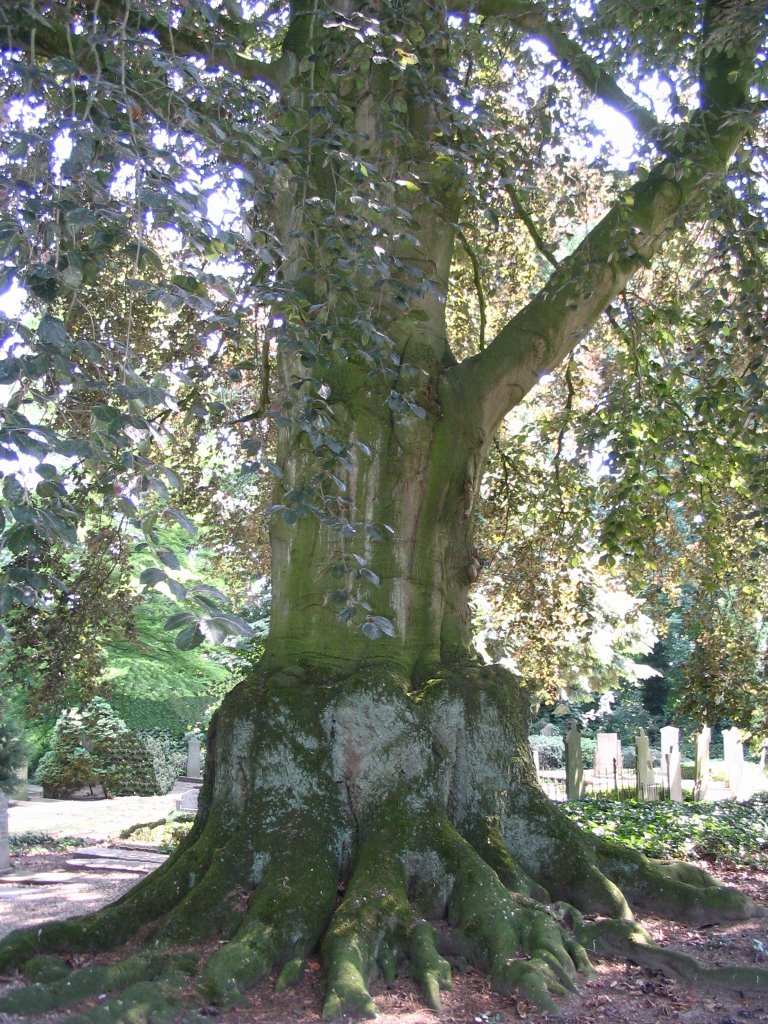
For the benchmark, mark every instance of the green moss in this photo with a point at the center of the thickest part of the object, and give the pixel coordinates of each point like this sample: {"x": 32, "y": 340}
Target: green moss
{"x": 79, "y": 985}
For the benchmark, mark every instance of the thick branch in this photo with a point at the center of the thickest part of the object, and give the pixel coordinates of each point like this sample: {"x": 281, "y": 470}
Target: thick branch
{"x": 542, "y": 334}
{"x": 533, "y": 20}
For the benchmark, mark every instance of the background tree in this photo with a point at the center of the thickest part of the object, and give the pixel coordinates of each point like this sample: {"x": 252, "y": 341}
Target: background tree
{"x": 369, "y": 745}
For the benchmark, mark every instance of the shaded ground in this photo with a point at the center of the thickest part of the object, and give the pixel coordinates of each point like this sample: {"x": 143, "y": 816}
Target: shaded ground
{"x": 616, "y": 992}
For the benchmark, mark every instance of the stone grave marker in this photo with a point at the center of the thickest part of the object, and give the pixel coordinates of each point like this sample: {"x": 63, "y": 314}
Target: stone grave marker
{"x": 188, "y": 800}
{"x": 575, "y": 787}
{"x": 549, "y": 730}
{"x": 193, "y": 758}
{"x": 701, "y": 784}
{"x": 646, "y": 783}
{"x": 5, "y": 849}
{"x": 733, "y": 750}
{"x": 670, "y": 755}
{"x": 607, "y": 757}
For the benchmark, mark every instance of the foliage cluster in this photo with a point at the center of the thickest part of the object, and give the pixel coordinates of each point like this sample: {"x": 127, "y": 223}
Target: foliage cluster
{"x": 26, "y": 843}
{"x": 726, "y": 832}
{"x": 166, "y": 833}
{"x": 168, "y": 758}
{"x": 13, "y": 749}
{"x": 93, "y": 746}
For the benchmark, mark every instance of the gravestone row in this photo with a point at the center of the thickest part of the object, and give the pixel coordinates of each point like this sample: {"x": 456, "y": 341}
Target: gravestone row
{"x": 649, "y": 783}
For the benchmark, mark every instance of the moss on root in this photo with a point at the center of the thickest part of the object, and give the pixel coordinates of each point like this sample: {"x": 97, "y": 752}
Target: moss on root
{"x": 423, "y": 807}
{"x": 681, "y": 892}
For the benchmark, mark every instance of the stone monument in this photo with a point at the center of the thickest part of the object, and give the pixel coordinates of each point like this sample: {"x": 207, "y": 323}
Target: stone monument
{"x": 575, "y": 787}
{"x": 670, "y": 761}
{"x": 733, "y": 753}
{"x": 5, "y": 850}
{"x": 701, "y": 776}
{"x": 646, "y": 783}
{"x": 193, "y": 757}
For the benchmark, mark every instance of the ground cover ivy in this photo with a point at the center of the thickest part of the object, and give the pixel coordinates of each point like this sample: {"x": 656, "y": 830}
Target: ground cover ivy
{"x": 724, "y": 832}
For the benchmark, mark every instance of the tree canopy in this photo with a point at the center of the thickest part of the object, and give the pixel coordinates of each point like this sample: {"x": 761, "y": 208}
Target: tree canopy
{"x": 348, "y": 245}
{"x": 144, "y": 151}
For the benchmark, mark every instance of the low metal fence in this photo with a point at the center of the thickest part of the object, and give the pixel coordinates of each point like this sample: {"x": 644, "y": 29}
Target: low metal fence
{"x": 619, "y": 784}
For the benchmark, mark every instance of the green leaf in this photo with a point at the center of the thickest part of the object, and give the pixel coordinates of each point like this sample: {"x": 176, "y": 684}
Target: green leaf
{"x": 52, "y": 331}
{"x": 383, "y": 624}
{"x": 179, "y": 619}
{"x": 152, "y": 576}
{"x": 169, "y": 558}
{"x": 182, "y": 520}
{"x": 189, "y": 638}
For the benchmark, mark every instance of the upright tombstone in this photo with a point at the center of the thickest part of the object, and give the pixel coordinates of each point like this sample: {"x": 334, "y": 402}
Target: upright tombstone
{"x": 670, "y": 760}
{"x": 193, "y": 758}
{"x": 21, "y": 787}
{"x": 5, "y": 850}
{"x": 701, "y": 784}
{"x": 549, "y": 730}
{"x": 646, "y": 784}
{"x": 607, "y": 759}
{"x": 733, "y": 752}
{"x": 575, "y": 787}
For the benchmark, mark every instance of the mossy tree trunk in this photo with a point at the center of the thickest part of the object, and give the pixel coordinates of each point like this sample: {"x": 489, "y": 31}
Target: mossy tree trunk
{"x": 370, "y": 752}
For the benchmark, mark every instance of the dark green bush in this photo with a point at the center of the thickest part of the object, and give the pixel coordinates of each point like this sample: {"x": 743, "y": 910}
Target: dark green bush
{"x": 42, "y": 842}
{"x": 552, "y": 752}
{"x": 12, "y": 747}
{"x": 93, "y": 746}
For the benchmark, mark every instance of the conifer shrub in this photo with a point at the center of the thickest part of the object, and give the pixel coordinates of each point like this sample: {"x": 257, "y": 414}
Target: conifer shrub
{"x": 167, "y": 755}
{"x": 93, "y": 746}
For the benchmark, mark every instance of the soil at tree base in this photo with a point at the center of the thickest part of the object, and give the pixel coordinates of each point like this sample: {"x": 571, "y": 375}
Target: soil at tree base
{"x": 616, "y": 992}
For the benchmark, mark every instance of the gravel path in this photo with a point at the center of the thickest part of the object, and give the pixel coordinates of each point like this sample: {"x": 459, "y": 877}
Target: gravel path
{"x": 96, "y": 820}
{"x": 68, "y": 891}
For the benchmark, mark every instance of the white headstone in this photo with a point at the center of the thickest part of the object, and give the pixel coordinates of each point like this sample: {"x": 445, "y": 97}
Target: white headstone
{"x": 701, "y": 785}
{"x": 733, "y": 751}
{"x": 607, "y": 754}
{"x": 188, "y": 800}
{"x": 670, "y": 761}
{"x": 193, "y": 758}
{"x": 646, "y": 783}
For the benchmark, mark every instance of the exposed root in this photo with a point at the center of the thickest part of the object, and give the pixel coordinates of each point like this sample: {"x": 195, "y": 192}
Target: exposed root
{"x": 432, "y": 971}
{"x": 423, "y": 809}
{"x": 286, "y": 917}
{"x": 679, "y": 891}
{"x": 74, "y": 986}
{"x": 628, "y": 940}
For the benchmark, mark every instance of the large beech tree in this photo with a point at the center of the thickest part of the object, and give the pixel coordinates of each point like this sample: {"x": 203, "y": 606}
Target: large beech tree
{"x": 369, "y": 749}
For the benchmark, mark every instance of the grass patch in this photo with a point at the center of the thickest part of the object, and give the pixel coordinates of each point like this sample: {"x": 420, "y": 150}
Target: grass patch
{"x": 724, "y": 832}
{"x": 166, "y": 834}
{"x": 41, "y": 842}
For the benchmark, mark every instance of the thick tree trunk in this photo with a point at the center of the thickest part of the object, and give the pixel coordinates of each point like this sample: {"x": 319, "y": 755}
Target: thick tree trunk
{"x": 391, "y": 768}
{"x": 401, "y": 547}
